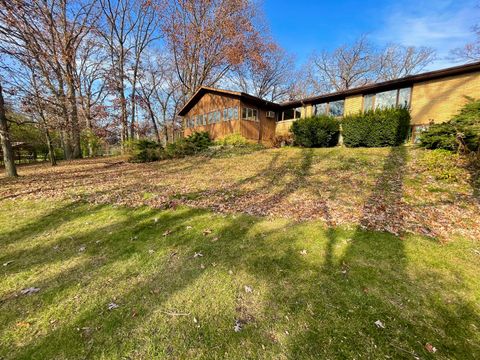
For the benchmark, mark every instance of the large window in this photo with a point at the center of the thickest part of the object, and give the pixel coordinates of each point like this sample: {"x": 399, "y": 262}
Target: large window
{"x": 210, "y": 117}
{"x": 335, "y": 108}
{"x": 230, "y": 114}
{"x": 249, "y": 114}
{"x": 404, "y": 96}
{"x": 387, "y": 99}
{"x": 368, "y": 102}
{"x": 320, "y": 109}
{"x": 292, "y": 114}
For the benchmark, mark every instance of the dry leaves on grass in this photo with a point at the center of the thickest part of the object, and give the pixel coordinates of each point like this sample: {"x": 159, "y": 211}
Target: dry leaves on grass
{"x": 333, "y": 186}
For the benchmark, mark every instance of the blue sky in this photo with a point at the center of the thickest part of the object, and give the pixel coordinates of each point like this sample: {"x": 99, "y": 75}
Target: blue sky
{"x": 301, "y": 26}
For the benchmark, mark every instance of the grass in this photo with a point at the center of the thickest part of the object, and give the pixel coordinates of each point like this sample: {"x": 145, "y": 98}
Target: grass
{"x": 320, "y": 272}
{"x": 334, "y": 185}
{"x": 318, "y": 303}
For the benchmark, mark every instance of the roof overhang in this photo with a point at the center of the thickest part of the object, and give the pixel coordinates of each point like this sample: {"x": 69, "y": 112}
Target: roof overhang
{"x": 387, "y": 85}
{"x": 264, "y": 104}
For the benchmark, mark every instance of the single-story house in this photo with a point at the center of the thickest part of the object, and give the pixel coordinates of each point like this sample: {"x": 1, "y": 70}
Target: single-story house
{"x": 432, "y": 97}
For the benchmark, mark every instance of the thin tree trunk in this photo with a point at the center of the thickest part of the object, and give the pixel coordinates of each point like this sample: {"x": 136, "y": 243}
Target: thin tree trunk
{"x": 8, "y": 156}
{"x": 154, "y": 123}
{"x": 51, "y": 151}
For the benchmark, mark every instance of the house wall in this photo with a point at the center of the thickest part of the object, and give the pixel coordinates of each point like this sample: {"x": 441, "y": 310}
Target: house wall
{"x": 211, "y": 102}
{"x": 438, "y": 100}
{"x": 353, "y": 104}
{"x": 263, "y": 130}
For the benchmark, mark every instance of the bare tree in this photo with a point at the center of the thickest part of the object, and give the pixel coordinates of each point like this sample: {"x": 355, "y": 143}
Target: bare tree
{"x": 117, "y": 27}
{"x": 347, "y": 66}
{"x": 90, "y": 79}
{"x": 47, "y": 34}
{"x": 471, "y": 51}
{"x": 270, "y": 78}
{"x": 398, "y": 61}
{"x": 144, "y": 34}
{"x": 150, "y": 80}
{"x": 7, "y": 150}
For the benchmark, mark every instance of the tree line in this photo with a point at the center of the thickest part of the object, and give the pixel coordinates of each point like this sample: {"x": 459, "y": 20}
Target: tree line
{"x": 79, "y": 70}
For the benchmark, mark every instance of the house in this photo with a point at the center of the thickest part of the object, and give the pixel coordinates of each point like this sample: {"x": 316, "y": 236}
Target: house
{"x": 433, "y": 97}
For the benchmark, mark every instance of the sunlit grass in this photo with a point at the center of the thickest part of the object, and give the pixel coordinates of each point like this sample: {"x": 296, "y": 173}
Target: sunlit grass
{"x": 316, "y": 291}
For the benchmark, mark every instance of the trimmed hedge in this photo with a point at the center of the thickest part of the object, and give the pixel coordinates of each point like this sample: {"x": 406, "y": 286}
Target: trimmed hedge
{"x": 463, "y": 129}
{"x": 379, "y": 128}
{"x": 320, "y": 131}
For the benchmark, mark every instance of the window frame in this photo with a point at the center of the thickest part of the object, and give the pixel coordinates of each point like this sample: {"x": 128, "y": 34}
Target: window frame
{"x": 397, "y": 99}
{"x": 295, "y": 110}
{"x": 253, "y": 112}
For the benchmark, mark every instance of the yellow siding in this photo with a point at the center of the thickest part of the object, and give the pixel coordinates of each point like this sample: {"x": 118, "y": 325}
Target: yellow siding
{"x": 308, "y": 110}
{"x": 438, "y": 100}
{"x": 283, "y": 127}
{"x": 353, "y": 104}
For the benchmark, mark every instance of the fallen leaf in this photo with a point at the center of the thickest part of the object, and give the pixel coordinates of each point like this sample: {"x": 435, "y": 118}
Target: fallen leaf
{"x": 238, "y": 326}
{"x": 380, "y": 324}
{"x": 189, "y": 227}
{"x": 303, "y": 252}
{"x": 207, "y": 231}
{"x": 23, "y": 324}
{"x": 215, "y": 239}
{"x": 248, "y": 289}
{"x": 112, "y": 306}
{"x": 430, "y": 348}
{"x": 29, "y": 291}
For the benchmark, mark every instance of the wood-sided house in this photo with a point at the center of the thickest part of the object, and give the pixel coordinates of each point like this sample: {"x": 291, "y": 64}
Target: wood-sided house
{"x": 432, "y": 97}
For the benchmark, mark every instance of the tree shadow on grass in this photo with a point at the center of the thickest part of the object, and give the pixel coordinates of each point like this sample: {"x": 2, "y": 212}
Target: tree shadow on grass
{"x": 367, "y": 304}
{"x": 322, "y": 304}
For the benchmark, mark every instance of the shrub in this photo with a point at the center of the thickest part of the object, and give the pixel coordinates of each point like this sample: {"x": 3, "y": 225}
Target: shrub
{"x": 378, "y": 128}
{"x": 463, "y": 130}
{"x": 442, "y": 164}
{"x": 144, "y": 151}
{"x": 233, "y": 140}
{"x": 321, "y": 131}
{"x": 193, "y": 144}
{"x": 283, "y": 140}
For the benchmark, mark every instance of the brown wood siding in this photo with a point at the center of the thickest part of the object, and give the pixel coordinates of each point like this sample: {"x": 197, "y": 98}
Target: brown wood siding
{"x": 209, "y": 103}
{"x": 262, "y": 130}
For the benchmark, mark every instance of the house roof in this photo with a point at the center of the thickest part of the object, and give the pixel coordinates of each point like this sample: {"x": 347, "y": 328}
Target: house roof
{"x": 387, "y": 85}
{"x": 240, "y": 95}
{"x": 382, "y": 86}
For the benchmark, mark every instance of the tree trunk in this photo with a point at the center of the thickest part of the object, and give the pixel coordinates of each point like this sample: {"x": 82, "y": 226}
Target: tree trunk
{"x": 51, "y": 151}
{"x": 74, "y": 125}
{"x": 154, "y": 123}
{"x": 8, "y": 156}
{"x": 88, "y": 119}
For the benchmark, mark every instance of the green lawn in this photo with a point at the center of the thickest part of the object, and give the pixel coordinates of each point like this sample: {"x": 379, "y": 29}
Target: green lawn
{"x": 273, "y": 244}
{"x": 316, "y": 292}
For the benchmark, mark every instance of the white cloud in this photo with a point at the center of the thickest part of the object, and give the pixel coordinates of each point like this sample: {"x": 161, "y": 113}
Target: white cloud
{"x": 443, "y": 25}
